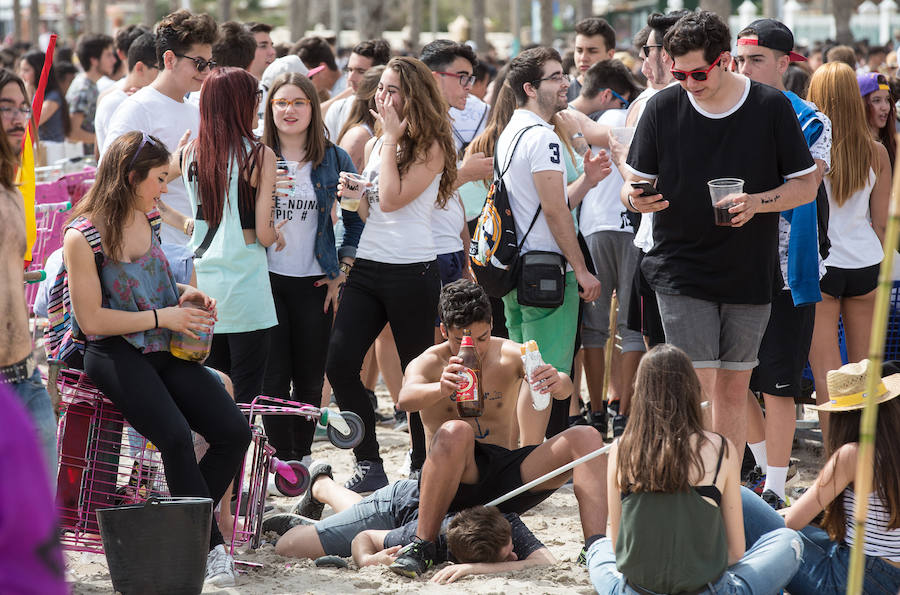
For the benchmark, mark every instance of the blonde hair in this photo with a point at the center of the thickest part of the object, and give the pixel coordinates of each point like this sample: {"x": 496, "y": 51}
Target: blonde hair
{"x": 835, "y": 92}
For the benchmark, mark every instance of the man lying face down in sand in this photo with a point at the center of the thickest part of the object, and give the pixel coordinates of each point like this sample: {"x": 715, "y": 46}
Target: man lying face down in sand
{"x": 474, "y": 460}
{"x": 373, "y": 529}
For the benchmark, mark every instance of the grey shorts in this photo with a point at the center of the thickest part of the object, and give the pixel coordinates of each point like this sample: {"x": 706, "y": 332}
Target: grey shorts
{"x": 616, "y": 259}
{"x": 380, "y": 510}
{"x": 714, "y": 335}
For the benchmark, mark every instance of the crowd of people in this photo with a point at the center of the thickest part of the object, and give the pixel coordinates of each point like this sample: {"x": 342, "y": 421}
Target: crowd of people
{"x": 318, "y": 221}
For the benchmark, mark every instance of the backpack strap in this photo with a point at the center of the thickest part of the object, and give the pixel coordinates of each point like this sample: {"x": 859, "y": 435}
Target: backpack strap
{"x": 92, "y": 236}
{"x": 155, "y": 219}
{"x": 500, "y": 176}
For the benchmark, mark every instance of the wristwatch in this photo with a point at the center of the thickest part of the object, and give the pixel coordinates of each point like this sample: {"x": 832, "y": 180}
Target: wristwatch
{"x": 345, "y": 268}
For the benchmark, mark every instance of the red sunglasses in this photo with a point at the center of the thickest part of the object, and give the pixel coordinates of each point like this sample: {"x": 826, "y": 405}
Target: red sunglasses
{"x": 698, "y": 75}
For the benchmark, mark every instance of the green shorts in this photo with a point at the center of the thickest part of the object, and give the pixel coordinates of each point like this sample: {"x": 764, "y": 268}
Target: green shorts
{"x": 552, "y": 328}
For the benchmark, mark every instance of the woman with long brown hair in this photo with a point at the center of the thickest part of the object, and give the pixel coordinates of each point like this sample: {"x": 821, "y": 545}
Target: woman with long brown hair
{"x": 229, "y": 177}
{"x": 410, "y": 166}
{"x": 674, "y": 499}
{"x": 306, "y": 276}
{"x": 360, "y": 124}
{"x": 858, "y": 187}
{"x": 128, "y": 305}
{"x": 827, "y": 546}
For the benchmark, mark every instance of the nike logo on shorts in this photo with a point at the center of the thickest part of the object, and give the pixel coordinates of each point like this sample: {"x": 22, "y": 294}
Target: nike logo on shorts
{"x": 782, "y": 385}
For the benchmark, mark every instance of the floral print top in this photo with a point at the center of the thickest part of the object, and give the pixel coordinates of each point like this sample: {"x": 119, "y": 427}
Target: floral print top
{"x": 145, "y": 284}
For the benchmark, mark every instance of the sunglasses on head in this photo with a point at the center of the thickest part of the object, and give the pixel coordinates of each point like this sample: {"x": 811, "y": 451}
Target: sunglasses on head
{"x": 698, "y": 75}
{"x": 144, "y": 140}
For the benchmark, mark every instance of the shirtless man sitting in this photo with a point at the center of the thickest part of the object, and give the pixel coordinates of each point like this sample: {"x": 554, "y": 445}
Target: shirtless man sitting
{"x": 474, "y": 460}
{"x": 18, "y": 368}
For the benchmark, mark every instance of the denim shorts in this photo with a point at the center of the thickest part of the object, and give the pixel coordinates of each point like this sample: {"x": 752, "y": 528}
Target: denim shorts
{"x": 384, "y": 509}
{"x": 34, "y": 396}
{"x": 713, "y": 334}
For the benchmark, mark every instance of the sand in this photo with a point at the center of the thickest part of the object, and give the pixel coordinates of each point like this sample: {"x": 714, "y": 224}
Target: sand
{"x": 555, "y": 522}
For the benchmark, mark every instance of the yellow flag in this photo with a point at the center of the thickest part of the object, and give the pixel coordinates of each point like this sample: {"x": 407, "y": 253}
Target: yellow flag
{"x": 25, "y": 178}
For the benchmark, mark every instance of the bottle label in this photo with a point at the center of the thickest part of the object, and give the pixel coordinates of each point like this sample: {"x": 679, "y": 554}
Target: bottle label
{"x": 468, "y": 389}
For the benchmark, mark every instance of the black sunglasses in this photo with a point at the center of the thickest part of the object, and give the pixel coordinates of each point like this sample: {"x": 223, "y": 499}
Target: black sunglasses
{"x": 646, "y": 49}
{"x": 200, "y": 63}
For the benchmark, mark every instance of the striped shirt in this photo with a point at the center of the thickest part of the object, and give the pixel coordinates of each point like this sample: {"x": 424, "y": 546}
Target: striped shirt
{"x": 880, "y": 541}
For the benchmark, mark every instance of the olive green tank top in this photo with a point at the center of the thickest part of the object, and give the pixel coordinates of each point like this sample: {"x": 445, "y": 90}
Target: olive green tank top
{"x": 671, "y": 543}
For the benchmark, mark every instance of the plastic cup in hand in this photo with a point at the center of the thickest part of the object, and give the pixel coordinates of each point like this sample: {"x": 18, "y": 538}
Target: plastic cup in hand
{"x": 353, "y": 190}
{"x": 623, "y": 134}
{"x": 720, "y": 190}
{"x": 185, "y": 347}
{"x": 291, "y": 169}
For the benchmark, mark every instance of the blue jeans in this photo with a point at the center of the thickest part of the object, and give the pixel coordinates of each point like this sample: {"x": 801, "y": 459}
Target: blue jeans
{"x": 825, "y": 563}
{"x": 765, "y": 568}
{"x": 36, "y": 399}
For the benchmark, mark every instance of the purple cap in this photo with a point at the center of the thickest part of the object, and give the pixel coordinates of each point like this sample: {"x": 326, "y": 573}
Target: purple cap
{"x": 871, "y": 82}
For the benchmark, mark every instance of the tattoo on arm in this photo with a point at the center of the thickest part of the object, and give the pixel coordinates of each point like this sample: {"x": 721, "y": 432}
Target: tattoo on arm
{"x": 768, "y": 200}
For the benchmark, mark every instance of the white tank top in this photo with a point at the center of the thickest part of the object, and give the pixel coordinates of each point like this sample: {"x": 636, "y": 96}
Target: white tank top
{"x": 403, "y": 236}
{"x": 854, "y": 244}
{"x": 880, "y": 541}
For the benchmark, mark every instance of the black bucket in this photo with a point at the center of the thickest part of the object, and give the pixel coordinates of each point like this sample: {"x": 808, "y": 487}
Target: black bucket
{"x": 159, "y": 546}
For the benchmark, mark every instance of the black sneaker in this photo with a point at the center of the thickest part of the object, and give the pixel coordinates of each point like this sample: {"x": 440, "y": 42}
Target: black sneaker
{"x": 309, "y": 506}
{"x": 772, "y": 499}
{"x": 582, "y": 558}
{"x": 612, "y": 408}
{"x": 618, "y": 425}
{"x": 576, "y": 420}
{"x": 281, "y": 523}
{"x": 401, "y": 423}
{"x": 600, "y": 421}
{"x": 368, "y": 477}
{"x": 756, "y": 481}
{"x": 414, "y": 559}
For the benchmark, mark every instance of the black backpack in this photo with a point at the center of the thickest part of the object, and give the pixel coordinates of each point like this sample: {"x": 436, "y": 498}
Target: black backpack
{"x": 494, "y": 250}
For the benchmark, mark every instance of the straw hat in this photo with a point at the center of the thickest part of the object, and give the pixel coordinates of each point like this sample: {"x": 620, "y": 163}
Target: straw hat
{"x": 847, "y": 385}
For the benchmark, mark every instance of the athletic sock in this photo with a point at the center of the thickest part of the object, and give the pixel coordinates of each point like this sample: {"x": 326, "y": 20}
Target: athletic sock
{"x": 590, "y": 540}
{"x": 759, "y": 454}
{"x": 775, "y": 479}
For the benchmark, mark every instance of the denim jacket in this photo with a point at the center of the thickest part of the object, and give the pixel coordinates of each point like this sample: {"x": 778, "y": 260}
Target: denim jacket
{"x": 325, "y": 180}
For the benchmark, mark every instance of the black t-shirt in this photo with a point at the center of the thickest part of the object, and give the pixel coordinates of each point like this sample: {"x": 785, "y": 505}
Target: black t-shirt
{"x": 524, "y": 541}
{"x": 758, "y": 141}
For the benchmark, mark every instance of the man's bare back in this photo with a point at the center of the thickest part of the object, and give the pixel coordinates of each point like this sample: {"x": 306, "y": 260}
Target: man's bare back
{"x": 15, "y": 342}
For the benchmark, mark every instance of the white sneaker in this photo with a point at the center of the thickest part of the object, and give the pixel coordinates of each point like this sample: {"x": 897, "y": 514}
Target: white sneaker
{"x": 219, "y": 567}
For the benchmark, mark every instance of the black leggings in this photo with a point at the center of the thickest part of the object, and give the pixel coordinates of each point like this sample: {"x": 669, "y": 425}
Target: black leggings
{"x": 164, "y": 398}
{"x": 243, "y": 357}
{"x": 404, "y": 295}
{"x": 298, "y": 347}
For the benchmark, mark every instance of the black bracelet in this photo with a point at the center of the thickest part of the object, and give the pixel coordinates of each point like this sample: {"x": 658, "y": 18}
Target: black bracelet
{"x": 155, "y": 320}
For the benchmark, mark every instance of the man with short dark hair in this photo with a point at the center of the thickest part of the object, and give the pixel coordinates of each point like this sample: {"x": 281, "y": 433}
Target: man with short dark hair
{"x": 123, "y": 39}
{"x": 95, "y": 52}
{"x": 15, "y": 108}
{"x": 365, "y": 55}
{"x": 235, "y": 46}
{"x": 142, "y": 70}
{"x": 265, "y": 51}
{"x": 318, "y": 57}
{"x": 715, "y": 283}
{"x": 595, "y": 40}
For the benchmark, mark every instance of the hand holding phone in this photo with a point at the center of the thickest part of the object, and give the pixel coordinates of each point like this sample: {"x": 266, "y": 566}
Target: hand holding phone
{"x": 647, "y": 187}
{"x": 648, "y": 201}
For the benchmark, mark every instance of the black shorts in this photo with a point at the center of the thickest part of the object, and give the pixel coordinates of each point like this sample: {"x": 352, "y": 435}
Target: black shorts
{"x": 840, "y": 283}
{"x": 643, "y": 311}
{"x": 784, "y": 348}
{"x": 499, "y": 472}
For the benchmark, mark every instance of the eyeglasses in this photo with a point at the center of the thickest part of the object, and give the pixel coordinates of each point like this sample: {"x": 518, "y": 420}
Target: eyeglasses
{"x": 9, "y": 113}
{"x": 465, "y": 79}
{"x": 200, "y": 63}
{"x": 625, "y": 102}
{"x": 145, "y": 138}
{"x": 698, "y": 75}
{"x": 646, "y": 49}
{"x": 283, "y": 104}
{"x": 556, "y": 77}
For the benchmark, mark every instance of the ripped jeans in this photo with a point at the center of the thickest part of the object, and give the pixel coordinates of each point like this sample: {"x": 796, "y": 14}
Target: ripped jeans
{"x": 765, "y": 568}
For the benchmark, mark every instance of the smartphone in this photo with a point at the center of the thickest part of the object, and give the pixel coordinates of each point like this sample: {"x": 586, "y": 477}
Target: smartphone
{"x": 647, "y": 187}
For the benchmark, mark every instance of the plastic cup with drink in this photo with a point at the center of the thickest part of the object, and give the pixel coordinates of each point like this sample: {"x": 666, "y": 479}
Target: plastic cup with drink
{"x": 722, "y": 192}
{"x": 186, "y": 347}
{"x": 623, "y": 134}
{"x": 290, "y": 169}
{"x": 353, "y": 189}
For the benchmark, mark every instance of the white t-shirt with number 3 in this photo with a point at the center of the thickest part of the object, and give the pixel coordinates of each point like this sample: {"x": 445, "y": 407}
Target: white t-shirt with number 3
{"x": 539, "y": 149}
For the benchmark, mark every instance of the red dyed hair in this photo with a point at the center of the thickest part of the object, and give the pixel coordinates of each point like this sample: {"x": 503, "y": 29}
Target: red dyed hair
{"x": 227, "y": 117}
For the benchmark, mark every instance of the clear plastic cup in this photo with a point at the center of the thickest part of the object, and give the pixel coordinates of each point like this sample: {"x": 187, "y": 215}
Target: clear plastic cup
{"x": 188, "y": 348}
{"x": 291, "y": 168}
{"x": 720, "y": 190}
{"x": 354, "y": 187}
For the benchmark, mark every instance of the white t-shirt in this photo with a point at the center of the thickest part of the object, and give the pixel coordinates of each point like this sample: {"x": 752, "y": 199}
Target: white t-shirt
{"x": 402, "y": 236}
{"x": 447, "y": 223}
{"x": 104, "y": 83}
{"x": 106, "y": 107}
{"x": 854, "y": 244}
{"x": 601, "y": 209}
{"x": 538, "y": 150}
{"x": 159, "y": 115}
{"x": 336, "y": 116}
{"x": 643, "y": 239}
{"x": 298, "y": 258}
